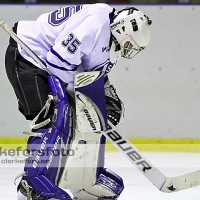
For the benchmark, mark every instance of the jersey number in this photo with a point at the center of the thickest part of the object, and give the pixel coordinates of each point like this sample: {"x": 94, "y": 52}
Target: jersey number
{"x": 59, "y": 16}
{"x": 71, "y": 43}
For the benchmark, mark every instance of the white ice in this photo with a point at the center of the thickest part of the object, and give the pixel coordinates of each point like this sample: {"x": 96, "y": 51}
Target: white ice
{"x": 137, "y": 187}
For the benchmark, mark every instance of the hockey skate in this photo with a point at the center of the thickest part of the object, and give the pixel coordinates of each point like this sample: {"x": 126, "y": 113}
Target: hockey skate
{"x": 30, "y": 194}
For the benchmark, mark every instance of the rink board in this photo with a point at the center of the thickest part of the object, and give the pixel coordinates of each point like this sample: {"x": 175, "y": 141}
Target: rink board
{"x": 143, "y": 144}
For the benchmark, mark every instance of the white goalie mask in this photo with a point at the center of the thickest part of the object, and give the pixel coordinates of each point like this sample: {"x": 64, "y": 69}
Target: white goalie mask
{"x": 131, "y": 32}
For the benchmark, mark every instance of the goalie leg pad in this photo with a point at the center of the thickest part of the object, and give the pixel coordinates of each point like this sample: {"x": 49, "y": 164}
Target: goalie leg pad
{"x": 108, "y": 186}
{"x": 42, "y": 169}
{"x": 87, "y": 165}
{"x": 90, "y": 102}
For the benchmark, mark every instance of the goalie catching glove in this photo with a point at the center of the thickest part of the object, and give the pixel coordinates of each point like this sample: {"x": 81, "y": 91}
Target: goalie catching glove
{"x": 114, "y": 106}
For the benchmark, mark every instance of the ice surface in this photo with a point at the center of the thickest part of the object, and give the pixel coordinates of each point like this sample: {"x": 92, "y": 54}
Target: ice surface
{"x": 137, "y": 187}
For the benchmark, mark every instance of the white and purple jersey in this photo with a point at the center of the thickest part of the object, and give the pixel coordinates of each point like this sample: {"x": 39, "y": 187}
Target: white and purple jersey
{"x": 70, "y": 40}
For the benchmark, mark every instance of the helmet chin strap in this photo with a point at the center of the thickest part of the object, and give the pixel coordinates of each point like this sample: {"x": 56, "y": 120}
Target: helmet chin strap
{"x": 115, "y": 49}
{"x": 114, "y": 40}
{"x": 114, "y": 55}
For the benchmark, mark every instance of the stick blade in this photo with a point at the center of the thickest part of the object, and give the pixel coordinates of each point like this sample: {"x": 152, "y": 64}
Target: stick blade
{"x": 186, "y": 181}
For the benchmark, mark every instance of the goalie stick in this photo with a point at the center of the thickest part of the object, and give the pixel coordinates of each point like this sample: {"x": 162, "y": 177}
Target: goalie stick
{"x": 22, "y": 44}
{"x": 160, "y": 181}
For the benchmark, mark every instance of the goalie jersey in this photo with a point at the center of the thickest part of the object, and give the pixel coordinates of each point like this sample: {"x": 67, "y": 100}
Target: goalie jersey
{"x": 70, "y": 40}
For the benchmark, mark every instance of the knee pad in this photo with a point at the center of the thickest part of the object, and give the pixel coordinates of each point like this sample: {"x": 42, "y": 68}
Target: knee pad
{"x": 108, "y": 186}
{"x": 43, "y": 167}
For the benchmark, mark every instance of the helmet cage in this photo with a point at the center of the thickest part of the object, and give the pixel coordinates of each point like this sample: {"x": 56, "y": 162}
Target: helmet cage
{"x": 130, "y": 33}
{"x": 129, "y": 48}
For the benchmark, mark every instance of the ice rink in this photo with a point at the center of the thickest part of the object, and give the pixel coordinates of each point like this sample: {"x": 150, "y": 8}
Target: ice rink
{"x": 137, "y": 187}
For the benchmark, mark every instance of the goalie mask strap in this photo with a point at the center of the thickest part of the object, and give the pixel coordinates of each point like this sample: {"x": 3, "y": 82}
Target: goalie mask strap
{"x": 35, "y": 134}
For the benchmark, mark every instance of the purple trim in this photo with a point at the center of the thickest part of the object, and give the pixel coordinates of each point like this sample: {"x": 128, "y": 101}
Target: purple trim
{"x": 101, "y": 157}
{"x": 113, "y": 184}
{"x": 61, "y": 68}
{"x": 113, "y": 175}
{"x": 98, "y": 69}
{"x": 59, "y": 56}
{"x": 57, "y": 88}
{"x": 55, "y": 66}
{"x": 111, "y": 15}
{"x": 62, "y": 118}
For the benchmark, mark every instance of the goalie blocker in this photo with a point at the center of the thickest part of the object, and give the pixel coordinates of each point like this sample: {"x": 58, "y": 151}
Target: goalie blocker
{"x": 45, "y": 176}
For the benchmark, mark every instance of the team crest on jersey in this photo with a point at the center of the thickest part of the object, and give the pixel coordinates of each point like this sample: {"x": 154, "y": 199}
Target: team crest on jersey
{"x": 105, "y": 49}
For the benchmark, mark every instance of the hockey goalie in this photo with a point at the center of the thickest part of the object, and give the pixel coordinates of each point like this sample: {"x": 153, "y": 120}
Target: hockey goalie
{"x": 62, "y": 87}
{"x": 69, "y": 152}
{"x": 58, "y": 66}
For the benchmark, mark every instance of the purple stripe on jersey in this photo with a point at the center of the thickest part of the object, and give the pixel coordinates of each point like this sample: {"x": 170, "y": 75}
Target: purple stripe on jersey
{"x": 58, "y": 56}
{"x": 97, "y": 69}
{"x": 61, "y": 68}
{"x": 101, "y": 66}
{"x": 111, "y": 15}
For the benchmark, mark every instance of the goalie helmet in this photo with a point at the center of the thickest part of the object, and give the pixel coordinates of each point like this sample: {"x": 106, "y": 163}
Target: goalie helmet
{"x": 130, "y": 33}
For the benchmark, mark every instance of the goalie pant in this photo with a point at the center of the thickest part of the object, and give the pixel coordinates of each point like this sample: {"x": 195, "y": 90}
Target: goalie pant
{"x": 43, "y": 169}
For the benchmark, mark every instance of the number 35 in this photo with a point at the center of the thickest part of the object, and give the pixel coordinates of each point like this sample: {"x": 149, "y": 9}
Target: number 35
{"x": 71, "y": 43}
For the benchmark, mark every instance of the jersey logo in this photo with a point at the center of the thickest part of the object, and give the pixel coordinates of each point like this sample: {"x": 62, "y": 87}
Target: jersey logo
{"x": 59, "y": 16}
{"x": 105, "y": 49}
